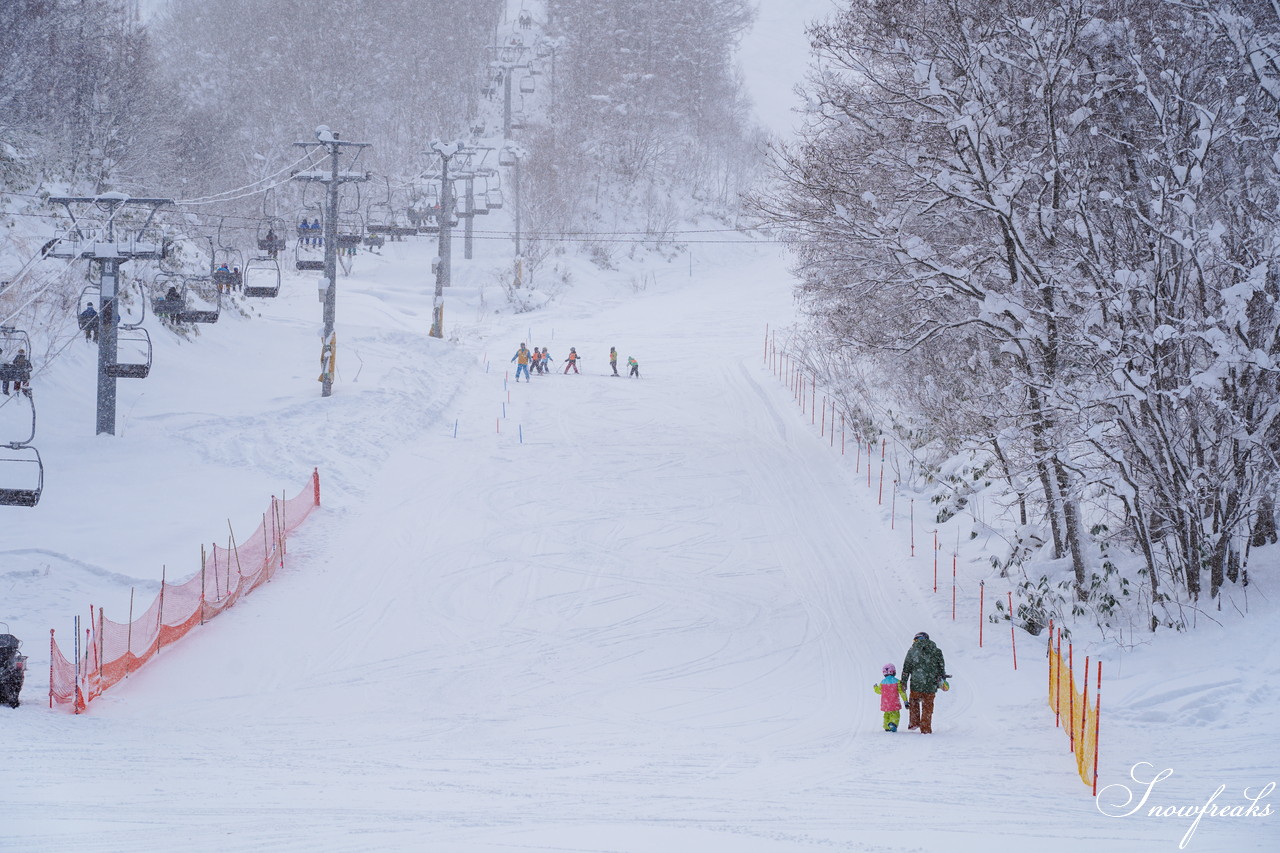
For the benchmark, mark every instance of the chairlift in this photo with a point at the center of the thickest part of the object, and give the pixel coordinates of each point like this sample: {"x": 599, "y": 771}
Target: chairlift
{"x": 302, "y": 264}
{"x": 170, "y": 302}
{"x": 21, "y": 475}
{"x": 270, "y": 235}
{"x": 493, "y": 198}
{"x": 506, "y": 157}
{"x": 14, "y": 341}
{"x": 262, "y": 277}
{"x": 526, "y": 85}
{"x": 134, "y": 343}
{"x": 189, "y": 314}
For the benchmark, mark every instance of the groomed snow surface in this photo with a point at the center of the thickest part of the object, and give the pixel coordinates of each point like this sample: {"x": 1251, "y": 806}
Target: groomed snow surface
{"x": 608, "y": 615}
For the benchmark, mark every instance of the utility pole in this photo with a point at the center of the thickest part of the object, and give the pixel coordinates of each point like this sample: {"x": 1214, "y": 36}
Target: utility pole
{"x": 333, "y": 178}
{"x": 101, "y": 246}
{"x": 447, "y": 151}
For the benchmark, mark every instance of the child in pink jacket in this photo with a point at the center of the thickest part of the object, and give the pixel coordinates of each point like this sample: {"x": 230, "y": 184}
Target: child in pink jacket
{"x": 890, "y": 690}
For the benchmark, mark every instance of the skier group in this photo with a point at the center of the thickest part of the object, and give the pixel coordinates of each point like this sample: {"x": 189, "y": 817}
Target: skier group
{"x": 538, "y": 360}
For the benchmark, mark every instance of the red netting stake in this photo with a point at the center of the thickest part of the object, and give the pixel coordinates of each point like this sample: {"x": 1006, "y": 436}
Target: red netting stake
{"x": 822, "y": 430}
{"x": 1013, "y": 638}
{"x": 935, "y": 561}
{"x": 202, "y": 584}
{"x": 953, "y": 587}
{"x": 870, "y": 446}
{"x": 1084, "y": 699}
{"x": 893, "y": 507}
{"x": 315, "y": 475}
{"x": 842, "y": 433}
{"x": 982, "y": 605}
{"x": 1097, "y": 725}
{"x": 813, "y": 402}
{"x": 1055, "y": 675}
{"x": 880, "y": 494}
{"x": 832, "y": 442}
{"x": 1071, "y": 696}
{"x": 160, "y": 613}
{"x": 128, "y": 635}
{"x": 913, "y": 527}
{"x": 766, "y": 342}
{"x": 498, "y": 423}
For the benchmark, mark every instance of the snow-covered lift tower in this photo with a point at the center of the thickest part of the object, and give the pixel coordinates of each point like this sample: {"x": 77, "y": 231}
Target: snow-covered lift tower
{"x": 107, "y": 242}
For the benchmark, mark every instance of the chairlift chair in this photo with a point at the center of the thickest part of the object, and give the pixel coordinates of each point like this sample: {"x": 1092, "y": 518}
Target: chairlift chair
{"x": 506, "y": 157}
{"x": 21, "y": 475}
{"x": 13, "y": 340}
{"x": 302, "y": 264}
{"x": 275, "y": 243}
{"x": 165, "y": 305}
{"x": 188, "y": 314}
{"x": 262, "y": 277}
{"x": 493, "y": 198}
{"x": 135, "y": 341}
{"x": 526, "y": 85}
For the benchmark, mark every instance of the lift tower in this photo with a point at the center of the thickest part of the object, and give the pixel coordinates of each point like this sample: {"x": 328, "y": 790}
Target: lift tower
{"x": 333, "y": 178}
{"x": 109, "y": 243}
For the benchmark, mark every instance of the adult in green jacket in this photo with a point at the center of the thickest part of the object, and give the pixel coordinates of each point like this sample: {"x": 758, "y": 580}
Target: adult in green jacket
{"x": 922, "y": 671}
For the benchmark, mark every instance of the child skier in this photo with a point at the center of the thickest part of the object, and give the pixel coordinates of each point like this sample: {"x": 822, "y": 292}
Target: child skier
{"x": 635, "y": 367}
{"x": 535, "y": 361}
{"x": 572, "y": 361}
{"x": 613, "y": 360}
{"x": 521, "y": 358}
{"x": 891, "y": 690}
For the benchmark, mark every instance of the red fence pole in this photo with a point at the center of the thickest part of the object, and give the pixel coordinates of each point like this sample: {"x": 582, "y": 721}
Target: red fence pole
{"x": 880, "y": 495}
{"x": 953, "y": 587}
{"x": 893, "y": 507}
{"x": 813, "y": 401}
{"x": 1057, "y": 689}
{"x": 1071, "y": 696}
{"x": 1097, "y": 726}
{"x": 841, "y": 433}
{"x": 935, "y": 561}
{"x": 913, "y": 527}
{"x": 1013, "y": 639}
{"x": 315, "y": 474}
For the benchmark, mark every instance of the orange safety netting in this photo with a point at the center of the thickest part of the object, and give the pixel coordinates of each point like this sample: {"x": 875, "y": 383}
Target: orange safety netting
{"x": 1072, "y": 708}
{"x": 114, "y": 649}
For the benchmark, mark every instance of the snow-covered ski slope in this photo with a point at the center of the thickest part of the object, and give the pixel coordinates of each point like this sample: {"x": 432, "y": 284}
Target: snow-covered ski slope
{"x": 630, "y": 615}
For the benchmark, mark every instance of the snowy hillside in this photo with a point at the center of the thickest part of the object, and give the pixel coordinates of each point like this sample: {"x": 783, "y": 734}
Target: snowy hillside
{"x": 609, "y": 615}
{"x": 571, "y": 614}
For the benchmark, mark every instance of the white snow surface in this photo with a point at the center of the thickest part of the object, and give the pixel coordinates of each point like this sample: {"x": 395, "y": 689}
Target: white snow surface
{"x": 609, "y": 615}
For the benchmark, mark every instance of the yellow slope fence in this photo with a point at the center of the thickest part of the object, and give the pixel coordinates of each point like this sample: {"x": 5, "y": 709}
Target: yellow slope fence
{"x": 1071, "y": 708}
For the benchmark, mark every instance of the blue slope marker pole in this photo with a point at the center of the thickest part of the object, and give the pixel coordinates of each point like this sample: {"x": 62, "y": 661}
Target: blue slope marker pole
{"x": 455, "y": 427}
{"x": 521, "y": 433}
